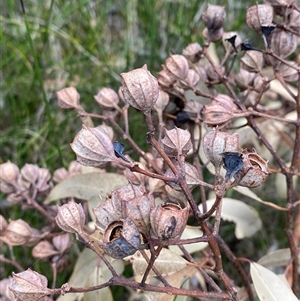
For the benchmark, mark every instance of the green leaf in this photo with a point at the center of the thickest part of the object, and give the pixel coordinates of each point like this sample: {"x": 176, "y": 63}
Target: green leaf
{"x": 244, "y": 216}
{"x": 89, "y": 271}
{"x": 270, "y": 286}
{"x": 277, "y": 258}
{"x": 87, "y": 186}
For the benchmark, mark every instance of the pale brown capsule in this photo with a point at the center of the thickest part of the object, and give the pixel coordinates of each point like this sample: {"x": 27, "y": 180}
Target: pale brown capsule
{"x": 164, "y": 79}
{"x": 213, "y": 35}
{"x": 140, "y": 89}
{"x": 114, "y": 208}
{"x": 3, "y": 224}
{"x": 169, "y": 220}
{"x": 29, "y": 285}
{"x": 212, "y": 74}
{"x": 214, "y": 16}
{"x": 193, "y": 108}
{"x": 190, "y": 172}
{"x": 9, "y": 174}
{"x": 43, "y": 250}
{"x": 252, "y": 61}
{"x": 283, "y": 43}
{"x": 68, "y": 98}
{"x": 177, "y": 142}
{"x": 17, "y": 233}
{"x": 93, "y": 147}
{"x": 254, "y": 170}
{"x": 289, "y": 74}
{"x": 62, "y": 242}
{"x": 215, "y": 143}
{"x": 71, "y": 217}
{"x": 243, "y": 79}
{"x": 258, "y": 16}
{"x": 178, "y": 66}
{"x": 107, "y": 98}
{"x": 193, "y": 52}
{"x": 231, "y": 41}
{"x": 220, "y": 110}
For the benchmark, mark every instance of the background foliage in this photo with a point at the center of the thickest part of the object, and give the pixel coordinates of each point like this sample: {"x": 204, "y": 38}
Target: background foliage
{"x": 88, "y": 44}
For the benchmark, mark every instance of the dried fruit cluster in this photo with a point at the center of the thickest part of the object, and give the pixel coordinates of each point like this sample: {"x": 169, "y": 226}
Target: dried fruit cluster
{"x": 201, "y": 112}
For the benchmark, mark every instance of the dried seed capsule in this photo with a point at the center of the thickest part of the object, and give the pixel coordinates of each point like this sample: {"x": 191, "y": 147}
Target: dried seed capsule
{"x": 289, "y": 74}
{"x": 107, "y": 98}
{"x": 215, "y": 143}
{"x": 121, "y": 238}
{"x": 252, "y": 61}
{"x": 214, "y": 16}
{"x": 177, "y": 142}
{"x": 165, "y": 80}
{"x": 29, "y": 285}
{"x": 177, "y": 65}
{"x": 43, "y": 250}
{"x": 140, "y": 89}
{"x": 283, "y": 43}
{"x": 169, "y": 220}
{"x": 231, "y": 41}
{"x": 213, "y": 35}
{"x": 17, "y": 233}
{"x": 243, "y": 79}
{"x": 253, "y": 172}
{"x": 258, "y": 16}
{"x": 9, "y": 174}
{"x": 190, "y": 172}
{"x": 68, "y": 98}
{"x": 93, "y": 147}
{"x": 70, "y": 217}
{"x": 220, "y": 110}
{"x": 193, "y": 52}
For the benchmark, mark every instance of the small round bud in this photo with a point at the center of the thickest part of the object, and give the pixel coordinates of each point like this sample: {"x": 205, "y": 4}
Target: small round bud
{"x": 70, "y": 217}
{"x": 9, "y": 174}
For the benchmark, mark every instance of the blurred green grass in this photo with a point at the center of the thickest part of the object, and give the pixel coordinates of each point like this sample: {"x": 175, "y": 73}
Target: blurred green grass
{"x": 86, "y": 44}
